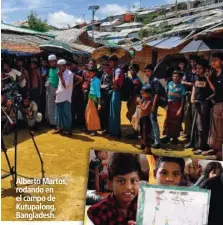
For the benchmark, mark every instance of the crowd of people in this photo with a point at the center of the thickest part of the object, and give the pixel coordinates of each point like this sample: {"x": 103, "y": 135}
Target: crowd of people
{"x": 65, "y": 96}
{"x": 120, "y": 208}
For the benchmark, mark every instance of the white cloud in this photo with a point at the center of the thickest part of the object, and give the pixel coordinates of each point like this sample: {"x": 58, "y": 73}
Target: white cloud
{"x": 63, "y": 20}
{"x": 112, "y": 9}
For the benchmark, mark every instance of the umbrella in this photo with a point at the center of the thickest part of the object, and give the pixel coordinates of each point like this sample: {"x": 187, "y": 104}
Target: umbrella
{"x": 55, "y": 46}
{"x": 120, "y": 52}
{"x": 203, "y": 46}
{"x": 165, "y": 67}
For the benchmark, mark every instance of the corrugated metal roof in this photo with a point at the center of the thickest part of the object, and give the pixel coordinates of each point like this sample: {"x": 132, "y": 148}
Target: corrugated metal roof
{"x": 11, "y": 28}
{"x": 129, "y": 24}
{"x": 165, "y": 43}
{"x": 22, "y": 39}
{"x": 20, "y": 47}
{"x": 68, "y": 35}
{"x": 146, "y": 12}
{"x": 82, "y": 48}
{"x": 123, "y": 33}
{"x": 110, "y": 23}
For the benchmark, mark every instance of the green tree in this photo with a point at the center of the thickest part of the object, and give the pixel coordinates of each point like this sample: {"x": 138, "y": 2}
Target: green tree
{"x": 35, "y": 23}
{"x": 149, "y": 18}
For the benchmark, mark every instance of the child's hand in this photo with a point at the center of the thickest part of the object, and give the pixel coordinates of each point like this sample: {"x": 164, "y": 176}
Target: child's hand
{"x": 138, "y": 100}
{"x": 179, "y": 113}
{"x": 99, "y": 107}
{"x": 131, "y": 222}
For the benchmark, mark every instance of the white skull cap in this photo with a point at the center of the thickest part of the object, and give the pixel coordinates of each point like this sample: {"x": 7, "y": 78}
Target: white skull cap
{"x": 61, "y": 62}
{"x": 52, "y": 57}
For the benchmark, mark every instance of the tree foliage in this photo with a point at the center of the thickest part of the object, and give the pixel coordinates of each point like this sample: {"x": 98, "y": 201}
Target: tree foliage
{"x": 35, "y": 23}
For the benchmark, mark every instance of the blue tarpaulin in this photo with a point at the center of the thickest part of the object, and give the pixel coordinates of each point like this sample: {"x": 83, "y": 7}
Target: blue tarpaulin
{"x": 16, "y": 53}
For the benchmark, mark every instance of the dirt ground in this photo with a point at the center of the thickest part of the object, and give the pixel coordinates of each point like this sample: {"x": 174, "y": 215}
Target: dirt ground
{"x": 67, "y": 158}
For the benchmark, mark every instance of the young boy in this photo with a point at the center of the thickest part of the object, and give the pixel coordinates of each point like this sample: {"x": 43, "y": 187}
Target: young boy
{"x": 145, "y": 122}
{"x": 95, "y": 181}
{"x": 200, "y": 93}
{"x": 172, "y": 125}
{"x": 119, "y": 207}
{"x": 159, "y": 98}
{"x": 94, "y": 103}
{"x": 169, "y": 171}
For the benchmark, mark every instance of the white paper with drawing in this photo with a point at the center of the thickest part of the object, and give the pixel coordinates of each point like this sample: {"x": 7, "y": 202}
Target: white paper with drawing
{"x": 173, "y": 206}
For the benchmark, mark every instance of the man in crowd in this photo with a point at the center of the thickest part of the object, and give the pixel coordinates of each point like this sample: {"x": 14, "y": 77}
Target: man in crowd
{"x": 114, "y": 128}
{"x": 77, "y": 96}
{"x": 36, "y": 82}
{"x": 188, "y": 82}
{"x": 106, "y": 87}
{"x": 51, "y": 86}
{"x": 216, "y": 129}
{"x": 24, "y": 85}
{"x": 63, "y": 99}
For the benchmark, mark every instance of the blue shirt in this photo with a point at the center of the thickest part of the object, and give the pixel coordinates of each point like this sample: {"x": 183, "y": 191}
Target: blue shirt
{"x": 175, "y": 91}
{"x": 95, "y": 87}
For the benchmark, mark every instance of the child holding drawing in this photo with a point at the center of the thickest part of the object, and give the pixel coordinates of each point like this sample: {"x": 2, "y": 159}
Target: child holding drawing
{"x": 121, "y": 205}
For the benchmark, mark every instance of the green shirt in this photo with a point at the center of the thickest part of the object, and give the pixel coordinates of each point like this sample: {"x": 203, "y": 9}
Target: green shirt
{"x": 53, "y": 77}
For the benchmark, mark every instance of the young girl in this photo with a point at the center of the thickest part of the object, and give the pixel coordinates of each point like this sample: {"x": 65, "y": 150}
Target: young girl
{"x": 94, "y": 103}
{"x": 145, "y": 123}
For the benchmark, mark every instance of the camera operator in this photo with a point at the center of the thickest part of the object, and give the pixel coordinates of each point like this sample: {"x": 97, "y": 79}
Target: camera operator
{"x": 30, "y": 109}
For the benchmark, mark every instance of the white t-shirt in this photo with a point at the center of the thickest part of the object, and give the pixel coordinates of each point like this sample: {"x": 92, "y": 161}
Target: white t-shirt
{"x": 65, "y": 94}
{"x": 14, "y": 73}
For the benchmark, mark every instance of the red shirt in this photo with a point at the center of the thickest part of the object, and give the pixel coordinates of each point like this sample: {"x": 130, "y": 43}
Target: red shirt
{"x": 106, "y": 212}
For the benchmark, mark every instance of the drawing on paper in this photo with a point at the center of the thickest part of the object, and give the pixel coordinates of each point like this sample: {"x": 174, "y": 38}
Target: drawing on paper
{"x": 165, "y": 205}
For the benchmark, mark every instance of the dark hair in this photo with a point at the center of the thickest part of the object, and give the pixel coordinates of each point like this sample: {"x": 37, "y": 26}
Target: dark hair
{"x": 182, "y": 60}
{"x": 74, "y": 62}
{"x": 147, "y": 89}
{"x": 26, "y": 97}
{"x": 193, "y": 57}
{"x": 34, "y": 60}
{"x": 135, "y": 67}
{"x": 178, "y": 73}
{"x": 179, "y": 161}
{"x": 113, "y": 58}
{"x": 212, "y": 166}
{"x": 149, "y": 67}
{"x": 203, "y": 63}
{"x": 105, "y": 64}
{"x": 96, "y": 152}
{"x": 124, "y": 163}
{"x": 218, "y": 55}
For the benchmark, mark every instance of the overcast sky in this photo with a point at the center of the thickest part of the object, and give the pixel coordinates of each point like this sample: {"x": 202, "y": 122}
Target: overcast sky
{"x": 69, "y": 12}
